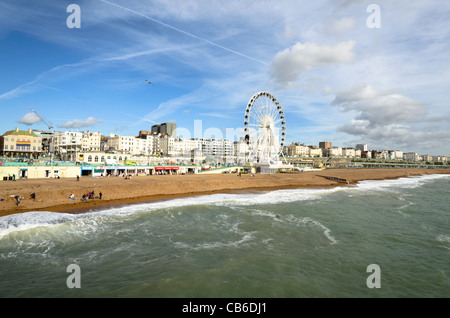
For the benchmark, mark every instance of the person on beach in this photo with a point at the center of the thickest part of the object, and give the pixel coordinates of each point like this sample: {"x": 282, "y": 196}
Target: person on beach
{"x": 100, "y": 195}
{"x": 78, "y": 178}
{"x": 17, "y": 200}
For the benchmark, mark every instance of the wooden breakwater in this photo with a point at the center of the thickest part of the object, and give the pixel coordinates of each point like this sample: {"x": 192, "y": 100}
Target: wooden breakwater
{"x": 336, "y": 179}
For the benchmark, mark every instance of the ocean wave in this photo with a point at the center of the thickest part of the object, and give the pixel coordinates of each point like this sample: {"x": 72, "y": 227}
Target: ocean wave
{"x": 215, "y": 244}
{"x": 307, "y": 220}
{"x": 326, "y": 231}
{"x": 31, "y": 220}
{"x": 405, "y": 182}
{"x": 278, "y": 196}
{"x": 35, "y": 221}
{"x": 291, "y": 219}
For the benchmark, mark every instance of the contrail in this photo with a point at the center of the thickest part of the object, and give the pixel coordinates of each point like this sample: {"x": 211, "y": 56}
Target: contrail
{"x": 183, "y": 32}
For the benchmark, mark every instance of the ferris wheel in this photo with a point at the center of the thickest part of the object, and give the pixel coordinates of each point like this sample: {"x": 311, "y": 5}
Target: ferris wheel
{"x": 264, "y": 128}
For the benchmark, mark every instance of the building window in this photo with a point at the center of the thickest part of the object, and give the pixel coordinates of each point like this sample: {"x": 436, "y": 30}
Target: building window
{"x": 6, "y": 147}
{"x": 90, "y": 159}
{"x": 96, "y": 158}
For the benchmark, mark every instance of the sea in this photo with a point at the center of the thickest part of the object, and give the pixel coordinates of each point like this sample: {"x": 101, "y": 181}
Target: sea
{"x": 375, "y": 239}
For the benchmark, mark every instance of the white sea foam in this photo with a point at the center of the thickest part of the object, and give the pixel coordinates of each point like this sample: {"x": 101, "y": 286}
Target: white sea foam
{"x": 405, "y": 206}
{"x": 276, "y": 197}
{"x": 407, "y": 182}
{"x": 272, "y": 215}
{"x": 243, "y": 237}
{"x": 306, "y": 220}
{"x": 216, "y": 244}
{"x": 26, "y": 221}
{"x": 291, "y": 219}
{"x": 326, "y": 231}
{"x": 444, "y": 239}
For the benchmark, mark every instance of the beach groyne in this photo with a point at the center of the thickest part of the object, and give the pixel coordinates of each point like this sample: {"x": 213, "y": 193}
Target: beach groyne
{"x": 336, "y": 179}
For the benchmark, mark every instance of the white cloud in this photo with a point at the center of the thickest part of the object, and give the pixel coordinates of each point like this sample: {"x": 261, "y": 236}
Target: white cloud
{"x": 76, "y": 123}
{"x": 29, "y": 119}
{"x": 397, "y": 136}
{"x": 288, "y": 64}
{"x": 389, "y": 119}
{"x": 355, "y": 94}
{"x": 380, "y": 108}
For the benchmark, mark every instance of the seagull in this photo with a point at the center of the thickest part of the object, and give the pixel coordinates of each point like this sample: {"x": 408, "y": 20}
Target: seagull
{"x": 149, "y": 82}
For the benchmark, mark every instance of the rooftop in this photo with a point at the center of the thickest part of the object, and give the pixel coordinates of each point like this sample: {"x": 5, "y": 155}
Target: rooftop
{"x": 18, "y": 132}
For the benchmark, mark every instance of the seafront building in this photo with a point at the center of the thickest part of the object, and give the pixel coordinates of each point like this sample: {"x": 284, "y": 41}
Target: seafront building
{"x": 164, "y": 129}
{"x": 325, "y": 144}
{"x": 362, "y": 147}
{"x": 47, "y": 137}
{"x": 332, "y": 152}
{"x": 241, "y": 150}
{"x": 66, "y": 144}
{"x": 298, "y": 150}
{"x": 439, "y": 159}
{"x": 411, "y": 156}
{"x": 21, "y": 143}
{"x": 91, "y": 141}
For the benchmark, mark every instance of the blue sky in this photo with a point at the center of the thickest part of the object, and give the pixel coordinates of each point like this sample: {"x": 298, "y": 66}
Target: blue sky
{"x": 337, "y": 79}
